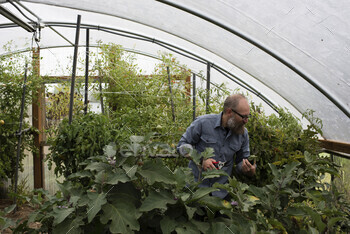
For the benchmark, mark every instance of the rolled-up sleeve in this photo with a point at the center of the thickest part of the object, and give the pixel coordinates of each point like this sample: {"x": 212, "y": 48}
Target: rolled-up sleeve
{"x": 190, "y": 138}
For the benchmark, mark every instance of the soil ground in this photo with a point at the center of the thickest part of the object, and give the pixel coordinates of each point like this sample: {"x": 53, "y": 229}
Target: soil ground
{"x": 21, "y": 213}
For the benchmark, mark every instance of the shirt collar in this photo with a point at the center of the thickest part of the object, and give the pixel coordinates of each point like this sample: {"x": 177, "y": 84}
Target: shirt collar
{"x": 218, "y": 120}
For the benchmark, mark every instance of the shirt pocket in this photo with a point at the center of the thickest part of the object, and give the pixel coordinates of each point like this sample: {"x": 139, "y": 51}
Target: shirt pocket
{"x": 207, "y": 142}
{"x": 235, "y": 147}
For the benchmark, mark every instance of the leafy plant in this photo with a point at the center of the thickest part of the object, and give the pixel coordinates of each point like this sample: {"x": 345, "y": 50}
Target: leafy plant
{"x": 57, "y": 106}
{"x": 130, "y": 192}
{"x": 12, "y": 69}
{"x": 142, "y": 103}
{"x": 74, "y": 143}
{"x": 279, "y": 139}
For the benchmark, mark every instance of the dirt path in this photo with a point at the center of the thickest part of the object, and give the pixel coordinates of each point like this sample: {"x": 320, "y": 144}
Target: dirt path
{"x": 21, "y": 213}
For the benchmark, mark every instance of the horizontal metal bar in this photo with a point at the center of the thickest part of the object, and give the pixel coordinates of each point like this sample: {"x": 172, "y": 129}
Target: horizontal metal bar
{"x": 8, "y": 14}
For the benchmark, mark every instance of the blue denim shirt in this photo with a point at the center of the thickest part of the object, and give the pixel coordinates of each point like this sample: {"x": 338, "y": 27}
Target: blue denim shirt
{"x": 206, "y": 131}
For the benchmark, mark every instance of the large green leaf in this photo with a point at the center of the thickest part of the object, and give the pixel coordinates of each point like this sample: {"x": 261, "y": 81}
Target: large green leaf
{"x": 212, "y": 203}
{"x": 130, "y": 171}
{"x": 213, "y": 174}
{"x": 60, "y": 214}
{"x": 110, "y": 149}
{"x": 98, "y": 166}
{"x": 123, "y": 216}
{"x": 95, "y": 206}
{"x": 181, "y": 177}
{"x": 118, "y": 176}
{"x": 9, "y": 209}
{"x": 289, "y": 168}
{"x": 274, "y": 170}
{"x": 168, "y": 225}
{"x": 190, "y": 211}
{"x": 157, "y": 200}
{"x": 80, "y": 174}
{"x": 155, "y": 171}
{"x": 187, "y": 228}
{"x": 219, "y": 227}
{"x": 201, "y": 192}
{"x": 201, "y": 226}
{"x": 71, "y": 226}
{"x": 127, "y": 192}
{"x": 101, "y": 177}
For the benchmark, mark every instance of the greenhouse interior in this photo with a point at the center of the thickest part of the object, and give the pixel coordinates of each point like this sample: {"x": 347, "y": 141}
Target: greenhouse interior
{"x": 107, "y": 116}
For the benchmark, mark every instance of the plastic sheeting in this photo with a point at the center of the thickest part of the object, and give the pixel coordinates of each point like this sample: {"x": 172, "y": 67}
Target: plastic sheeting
{"x": 313, "y": 36}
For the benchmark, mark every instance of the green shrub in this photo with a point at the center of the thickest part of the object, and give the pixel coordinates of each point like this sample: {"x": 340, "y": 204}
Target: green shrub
{"x": 279, "y": 139}
{"x": 131, "y": 193}
{"x": 74, "y": 143}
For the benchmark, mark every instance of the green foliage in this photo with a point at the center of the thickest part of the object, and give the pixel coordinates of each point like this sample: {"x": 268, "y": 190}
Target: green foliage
{"x": 4, "y": 221}
{"x": 119, "y": 188}
{"x": 57, "y": 106}
{"x": 74, "y": 143}
{"x": 11, "y": 89}
{"x": 142, "y": 103}
{"x": 124, "y": 195}
{"x": 279, "y": 139}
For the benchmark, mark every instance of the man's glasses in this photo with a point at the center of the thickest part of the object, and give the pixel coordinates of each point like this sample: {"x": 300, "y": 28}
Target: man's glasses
{"x": 242, "y": 116}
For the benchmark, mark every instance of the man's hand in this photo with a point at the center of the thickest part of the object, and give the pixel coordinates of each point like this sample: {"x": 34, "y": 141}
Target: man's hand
{"x": 208, "y": 164}
{"x": 248, "y": 168}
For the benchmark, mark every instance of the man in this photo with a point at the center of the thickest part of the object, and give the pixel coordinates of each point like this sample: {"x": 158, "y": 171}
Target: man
{"x": 226, "y": 134}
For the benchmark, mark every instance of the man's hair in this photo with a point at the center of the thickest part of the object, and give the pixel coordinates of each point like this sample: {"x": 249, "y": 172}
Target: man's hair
{"x": 233, "y": 100}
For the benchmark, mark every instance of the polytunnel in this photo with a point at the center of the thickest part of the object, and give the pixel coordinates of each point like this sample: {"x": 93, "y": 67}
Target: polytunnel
{"x": 284, "y": 54}
{"x": 289, "y": 53}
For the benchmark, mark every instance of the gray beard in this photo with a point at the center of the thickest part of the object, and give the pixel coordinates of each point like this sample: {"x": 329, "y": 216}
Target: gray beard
{"x": 235, "y": 127}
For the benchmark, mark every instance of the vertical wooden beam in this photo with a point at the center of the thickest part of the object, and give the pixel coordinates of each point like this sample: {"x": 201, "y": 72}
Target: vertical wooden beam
{"x": 38, "y": 122}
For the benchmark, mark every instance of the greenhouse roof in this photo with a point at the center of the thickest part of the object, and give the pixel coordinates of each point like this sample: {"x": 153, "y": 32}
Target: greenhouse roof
{"x": 294, "y": 52}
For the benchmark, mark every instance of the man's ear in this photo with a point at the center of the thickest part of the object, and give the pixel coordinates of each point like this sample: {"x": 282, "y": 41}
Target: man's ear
{"x": 227, "y": 111}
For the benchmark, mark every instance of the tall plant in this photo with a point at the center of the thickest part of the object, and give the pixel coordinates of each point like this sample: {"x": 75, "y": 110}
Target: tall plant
{"x": 11, "y": 89}
{"x": 142, "y": 103}
{"x": 279, "y": 139}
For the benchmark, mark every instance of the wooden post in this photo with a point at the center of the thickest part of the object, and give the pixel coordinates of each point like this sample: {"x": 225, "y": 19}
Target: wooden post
{"x": 38, "y": 122}
{"x": 343, "y": 147}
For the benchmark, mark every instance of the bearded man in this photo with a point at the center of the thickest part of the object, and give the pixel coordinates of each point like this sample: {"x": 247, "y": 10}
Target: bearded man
{"x": 226, "y": 134}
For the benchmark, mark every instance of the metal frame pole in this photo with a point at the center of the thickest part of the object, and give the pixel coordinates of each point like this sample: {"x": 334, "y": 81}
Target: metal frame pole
{"x": 74, "y": 69}
{"x": 194, "y": 96}
{"x": 19, "y": 133}
{"x": 208, "y": 89}
{"x": 171, "y": 94}
{"x": 86, "y": 72}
